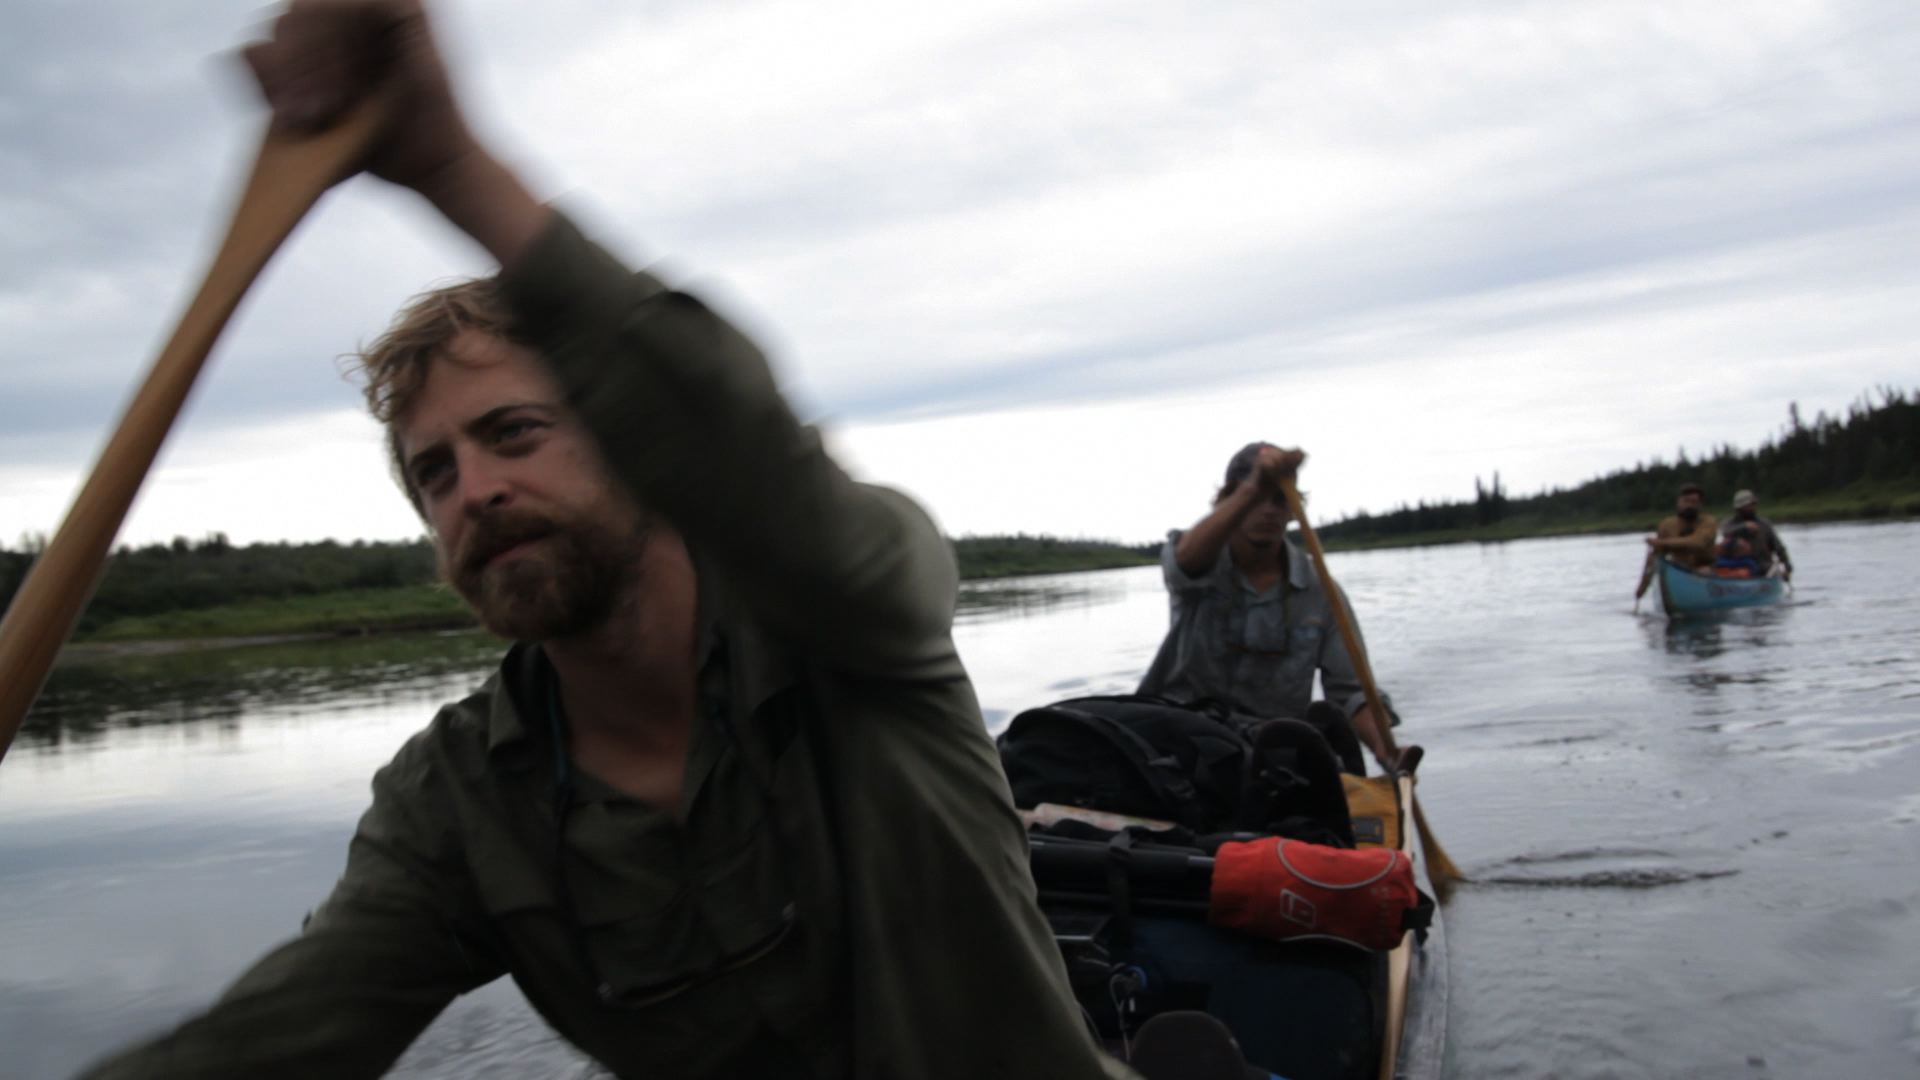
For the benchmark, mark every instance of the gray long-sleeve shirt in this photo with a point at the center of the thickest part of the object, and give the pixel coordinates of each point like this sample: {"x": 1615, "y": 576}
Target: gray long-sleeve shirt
{"x": 1255, "y": 650}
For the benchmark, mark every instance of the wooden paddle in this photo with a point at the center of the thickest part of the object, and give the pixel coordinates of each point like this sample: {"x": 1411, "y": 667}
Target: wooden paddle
{"x": 1646, "y": 578}
{"x": 1439, "y": 867}
{"x": 289, "y": 176}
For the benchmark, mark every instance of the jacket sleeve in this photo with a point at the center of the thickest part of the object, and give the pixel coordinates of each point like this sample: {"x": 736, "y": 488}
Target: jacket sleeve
{"x": 373, "y": 966}
{"x": 1779, "y": 548}
{"x": 689, "y": 417}
{"x": 1178, "y": 581}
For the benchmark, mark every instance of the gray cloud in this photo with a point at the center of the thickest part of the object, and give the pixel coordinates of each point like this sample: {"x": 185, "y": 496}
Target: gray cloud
{"x": 963, "y": 210}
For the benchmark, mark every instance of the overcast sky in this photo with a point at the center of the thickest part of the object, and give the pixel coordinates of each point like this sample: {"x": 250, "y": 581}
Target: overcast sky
{"x": 1045, "y": 265}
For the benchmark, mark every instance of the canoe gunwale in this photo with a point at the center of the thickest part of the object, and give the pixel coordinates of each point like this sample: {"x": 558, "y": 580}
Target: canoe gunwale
{"x": 1419, "y": 965}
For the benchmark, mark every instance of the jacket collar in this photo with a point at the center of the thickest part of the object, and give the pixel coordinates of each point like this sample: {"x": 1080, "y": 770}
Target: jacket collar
{"x": 753, "y": 667}
{"x": 1300, "y": 575}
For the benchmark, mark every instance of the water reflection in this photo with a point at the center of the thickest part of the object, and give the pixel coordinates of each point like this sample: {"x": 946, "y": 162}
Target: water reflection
{"x": 1689, "y": 846}
{"x": 1704, "y": 637}
{"x": 1009, "y": 598}
{"x": 1698, "y": 638}
{"x": 96, "y": 690}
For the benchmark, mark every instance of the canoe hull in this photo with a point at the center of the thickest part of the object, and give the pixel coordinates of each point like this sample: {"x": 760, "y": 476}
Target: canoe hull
{"x": 1684, "y": 592}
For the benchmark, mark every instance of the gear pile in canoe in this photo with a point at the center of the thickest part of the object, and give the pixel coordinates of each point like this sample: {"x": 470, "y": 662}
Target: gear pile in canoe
{"x": 1195, "y": 863}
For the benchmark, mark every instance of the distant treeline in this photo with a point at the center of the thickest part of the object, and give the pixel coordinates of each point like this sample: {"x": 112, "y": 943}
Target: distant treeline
{"x": 1006, "y": 556}
{"x": 1874, "y": 447}
{"x": 188, "y": 575}
{"x": 1873, "y": 452}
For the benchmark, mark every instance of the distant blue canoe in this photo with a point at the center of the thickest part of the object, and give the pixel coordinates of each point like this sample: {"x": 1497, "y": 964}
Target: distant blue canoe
{"x": 1685, "y": 592}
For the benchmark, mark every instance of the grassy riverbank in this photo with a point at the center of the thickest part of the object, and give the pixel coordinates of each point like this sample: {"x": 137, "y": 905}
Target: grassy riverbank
{"x": 348, "y": 612}
{"x": 366, "y": 611}
{"x": 423, "y": 605}
{"x": 983, "y": 557}
{"x": 428, "y": 606}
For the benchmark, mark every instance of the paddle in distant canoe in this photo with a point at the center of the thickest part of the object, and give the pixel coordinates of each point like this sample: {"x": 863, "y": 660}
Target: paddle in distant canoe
{"x": 1685, "y": 592}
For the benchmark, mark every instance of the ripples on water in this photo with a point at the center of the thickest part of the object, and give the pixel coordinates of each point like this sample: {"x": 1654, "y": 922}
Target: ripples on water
{"x": 1696, "y": 846}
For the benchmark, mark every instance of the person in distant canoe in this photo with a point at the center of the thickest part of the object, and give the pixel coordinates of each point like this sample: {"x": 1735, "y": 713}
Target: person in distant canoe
{"x": 1251, "y": 621}
{"x": 729, "y": 807}
{"x": 1735, "y": 555}
{"x": 1758, "y": 533}
{"x": 1690, "y": 536}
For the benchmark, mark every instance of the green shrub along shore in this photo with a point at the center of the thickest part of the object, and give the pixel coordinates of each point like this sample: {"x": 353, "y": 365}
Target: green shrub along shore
{"x": 427, "y": 606}
{"x": 212, "y": 589}
{"x": 1861, "y": 466}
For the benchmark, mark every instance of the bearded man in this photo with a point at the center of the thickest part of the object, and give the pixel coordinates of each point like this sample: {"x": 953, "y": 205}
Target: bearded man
{"x": 1689, "y": 535}
{"x": 728, "y": 808}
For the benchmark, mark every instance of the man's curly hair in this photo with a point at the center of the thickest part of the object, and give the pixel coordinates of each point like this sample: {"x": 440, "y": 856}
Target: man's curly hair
{"x": 394, "y": 367}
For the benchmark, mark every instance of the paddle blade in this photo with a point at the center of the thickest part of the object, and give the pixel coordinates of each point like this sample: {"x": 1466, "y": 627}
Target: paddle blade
{"x": 1440, "y": 868}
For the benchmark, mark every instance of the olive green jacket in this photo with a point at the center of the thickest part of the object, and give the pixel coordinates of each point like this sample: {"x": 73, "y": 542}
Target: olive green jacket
{"x": 848, "y": 892}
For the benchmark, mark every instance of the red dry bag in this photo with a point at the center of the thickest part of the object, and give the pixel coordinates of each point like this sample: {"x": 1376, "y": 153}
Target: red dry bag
{"x": 1290, "y": 889}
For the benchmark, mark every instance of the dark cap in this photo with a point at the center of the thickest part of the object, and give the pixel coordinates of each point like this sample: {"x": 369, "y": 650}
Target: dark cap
{"x": 1692, "y": 489}
{"x": 1241, "y": 466}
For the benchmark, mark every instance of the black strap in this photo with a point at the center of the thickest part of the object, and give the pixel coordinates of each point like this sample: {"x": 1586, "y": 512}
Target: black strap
{"x": 1120, "y": 888}
{"x": 1419, "y": 917}
{"x": 1146, "y": 756}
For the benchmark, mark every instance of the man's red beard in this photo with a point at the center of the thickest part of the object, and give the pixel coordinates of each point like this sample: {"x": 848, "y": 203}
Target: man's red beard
{"x": 564, "y": 584}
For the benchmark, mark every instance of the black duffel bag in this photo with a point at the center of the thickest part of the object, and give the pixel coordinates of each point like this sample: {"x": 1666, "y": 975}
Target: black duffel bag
{"x": 1151, "y": 758}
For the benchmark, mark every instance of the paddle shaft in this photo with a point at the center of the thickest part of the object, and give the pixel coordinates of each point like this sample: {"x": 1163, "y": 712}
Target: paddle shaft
{"x": 289, "y": 176}
{"x": 1439, "y": 866}
{"x": 1342, "y": 620}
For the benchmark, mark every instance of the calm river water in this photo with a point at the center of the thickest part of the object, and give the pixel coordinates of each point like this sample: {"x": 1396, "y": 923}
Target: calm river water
{"x": 1696, "y": 849}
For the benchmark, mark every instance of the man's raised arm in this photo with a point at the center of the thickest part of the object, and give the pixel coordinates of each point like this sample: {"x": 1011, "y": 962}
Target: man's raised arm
{"x": 684, "y": 407}
{"x": 1199, "y": 547}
